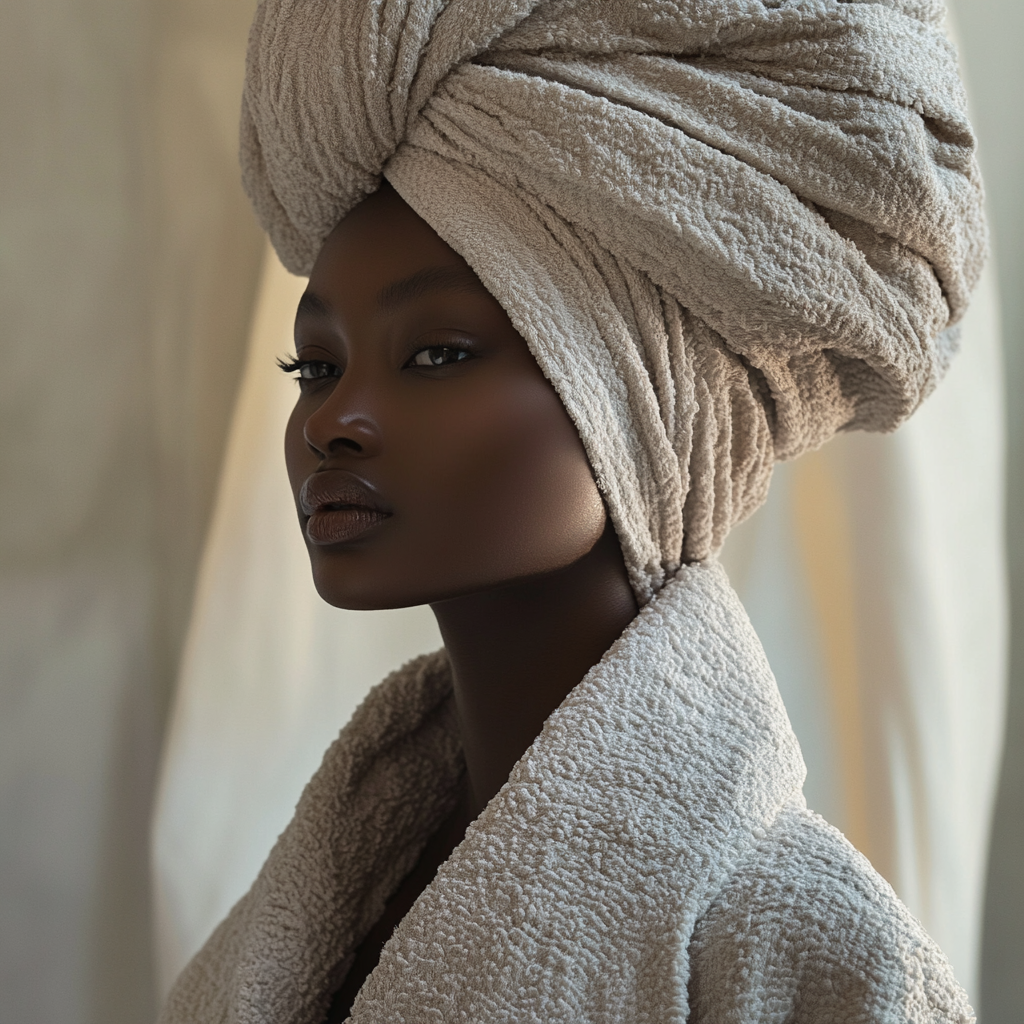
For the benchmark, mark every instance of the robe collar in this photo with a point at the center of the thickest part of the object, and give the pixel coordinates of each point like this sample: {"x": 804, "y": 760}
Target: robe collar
{"x": 574, "y": 894}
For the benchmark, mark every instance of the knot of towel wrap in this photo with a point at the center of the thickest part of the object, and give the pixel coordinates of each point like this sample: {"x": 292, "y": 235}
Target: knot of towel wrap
{"x": 726, "y": 228}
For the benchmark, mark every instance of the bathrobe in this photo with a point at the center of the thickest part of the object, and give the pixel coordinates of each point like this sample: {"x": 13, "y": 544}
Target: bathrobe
{"x": 650, "y": 859}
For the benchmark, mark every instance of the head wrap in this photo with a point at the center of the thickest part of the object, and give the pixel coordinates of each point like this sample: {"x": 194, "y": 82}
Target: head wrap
{"x": 726, "y": 228}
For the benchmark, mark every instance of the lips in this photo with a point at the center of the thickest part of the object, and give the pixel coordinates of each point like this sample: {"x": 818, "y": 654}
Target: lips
{"x": 340, "y": 506}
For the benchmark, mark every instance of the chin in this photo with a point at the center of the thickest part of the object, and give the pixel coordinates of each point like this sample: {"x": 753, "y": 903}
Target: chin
{"x": 363, "y": 596}
{"x": 368, "y": 577}
{"x": 363, "y": 589}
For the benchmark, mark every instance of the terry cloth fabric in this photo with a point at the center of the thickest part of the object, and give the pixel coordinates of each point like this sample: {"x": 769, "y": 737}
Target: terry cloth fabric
{"x": 726, "y": 228}
{"x": 650, "y": 858}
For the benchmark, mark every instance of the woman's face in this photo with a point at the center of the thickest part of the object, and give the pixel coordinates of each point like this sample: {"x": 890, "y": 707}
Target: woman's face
{"x": 428, "y": 455}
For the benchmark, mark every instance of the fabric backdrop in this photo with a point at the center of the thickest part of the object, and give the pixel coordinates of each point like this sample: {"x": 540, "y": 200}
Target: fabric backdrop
{"x": 129, "y": 262}
{"x": 129, "y": 267}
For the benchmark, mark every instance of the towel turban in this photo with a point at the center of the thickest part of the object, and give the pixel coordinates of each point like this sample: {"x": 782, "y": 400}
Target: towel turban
{"x": 726, "y": 228}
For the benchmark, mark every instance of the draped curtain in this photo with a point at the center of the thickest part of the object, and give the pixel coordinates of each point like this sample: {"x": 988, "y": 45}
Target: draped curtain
{"x": 130, "y": 263}
{"x": 131, "y": 269}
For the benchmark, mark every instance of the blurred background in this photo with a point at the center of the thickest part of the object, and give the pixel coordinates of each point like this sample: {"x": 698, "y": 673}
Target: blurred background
{"x": 167, "y": 679}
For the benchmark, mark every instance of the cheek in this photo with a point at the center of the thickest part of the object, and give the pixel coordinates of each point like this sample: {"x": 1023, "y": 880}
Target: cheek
{"x": 511, "y": 491}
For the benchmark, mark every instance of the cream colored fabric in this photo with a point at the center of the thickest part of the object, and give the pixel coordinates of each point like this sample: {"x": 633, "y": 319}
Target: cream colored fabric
{"x": 726, "y": 230}
{"x": 128, "y": 264}
{"x": 650, "y": 858}
{"x": 888, "y": 634}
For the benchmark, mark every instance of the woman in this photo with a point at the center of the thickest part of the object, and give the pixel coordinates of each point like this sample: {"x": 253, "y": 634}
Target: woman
{"x": 629, "y": 255}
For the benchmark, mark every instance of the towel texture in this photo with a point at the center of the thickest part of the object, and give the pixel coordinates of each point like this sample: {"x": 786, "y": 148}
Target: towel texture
{"x": 726, "y": 228}
{"x": 649, "y": 859}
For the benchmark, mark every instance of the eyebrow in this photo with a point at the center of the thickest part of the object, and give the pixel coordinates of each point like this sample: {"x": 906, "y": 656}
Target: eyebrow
{"x": 393, "y": 295}
{"x": 311, "y": 305}
{"x": 431, "y": 279}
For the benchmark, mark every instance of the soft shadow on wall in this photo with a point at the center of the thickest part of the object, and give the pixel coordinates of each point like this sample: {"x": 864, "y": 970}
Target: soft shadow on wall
{"x": 128, "y": 267}
{"x": 990, "y": 33}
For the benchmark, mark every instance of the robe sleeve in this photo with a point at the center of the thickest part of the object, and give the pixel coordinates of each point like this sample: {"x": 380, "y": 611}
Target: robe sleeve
{"x": 807, "y": 931}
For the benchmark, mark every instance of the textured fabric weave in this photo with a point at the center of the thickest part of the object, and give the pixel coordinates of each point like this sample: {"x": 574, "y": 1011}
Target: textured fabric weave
{"x": 650, "y": 859}
{"x": 726, "y": 229}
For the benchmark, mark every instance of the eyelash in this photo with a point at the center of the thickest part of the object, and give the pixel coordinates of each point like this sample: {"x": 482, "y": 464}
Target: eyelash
{"x": 298, "y": 365}
{"x": 312, "y": 383}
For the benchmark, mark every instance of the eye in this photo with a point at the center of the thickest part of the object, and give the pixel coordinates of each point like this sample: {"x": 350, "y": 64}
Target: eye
{"x": 310, "y": 373}
{"x": 438, "y": 355}
{"x": 315, "y": 370}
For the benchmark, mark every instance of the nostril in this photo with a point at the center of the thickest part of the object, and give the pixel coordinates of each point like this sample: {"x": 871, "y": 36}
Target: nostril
{"x": 349, "y": 444}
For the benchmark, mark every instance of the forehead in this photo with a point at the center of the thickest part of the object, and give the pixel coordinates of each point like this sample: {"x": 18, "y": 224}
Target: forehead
{"x": 383, "y": 260}
{"x": 381, "y": 241}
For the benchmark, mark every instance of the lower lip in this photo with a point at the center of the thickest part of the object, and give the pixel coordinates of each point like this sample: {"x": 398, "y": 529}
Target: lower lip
{"x": 335, "y": 526}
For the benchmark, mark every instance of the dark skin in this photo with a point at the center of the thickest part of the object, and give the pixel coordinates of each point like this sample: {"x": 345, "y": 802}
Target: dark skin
{"x": 432, "y": 462}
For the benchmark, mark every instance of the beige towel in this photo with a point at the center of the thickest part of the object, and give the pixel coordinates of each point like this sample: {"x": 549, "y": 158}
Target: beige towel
{"x": 726, "y": 228}
{"x": 649, "y": 860}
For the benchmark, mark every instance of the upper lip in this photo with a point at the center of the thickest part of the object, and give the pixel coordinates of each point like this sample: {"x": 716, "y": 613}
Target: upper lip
{"x": 332, "y": 489}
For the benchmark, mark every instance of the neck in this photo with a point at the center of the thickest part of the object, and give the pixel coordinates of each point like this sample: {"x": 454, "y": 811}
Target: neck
{"x": 518, "y": 649}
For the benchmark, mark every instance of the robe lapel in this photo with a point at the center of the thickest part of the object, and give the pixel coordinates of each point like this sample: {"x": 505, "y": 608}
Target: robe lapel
{"x": 574, "y": 894}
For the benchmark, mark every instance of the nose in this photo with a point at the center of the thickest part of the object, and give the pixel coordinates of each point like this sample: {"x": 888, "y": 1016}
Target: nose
{"x": 344, "y": 424}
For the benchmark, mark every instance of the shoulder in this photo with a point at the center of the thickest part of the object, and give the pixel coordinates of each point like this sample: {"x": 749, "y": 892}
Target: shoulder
{"x": 807, "y": 930}
{"x": 381, "y": 789}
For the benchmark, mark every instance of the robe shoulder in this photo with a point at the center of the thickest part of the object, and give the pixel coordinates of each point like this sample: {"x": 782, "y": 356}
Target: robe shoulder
{"x": 807, "y": 931}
